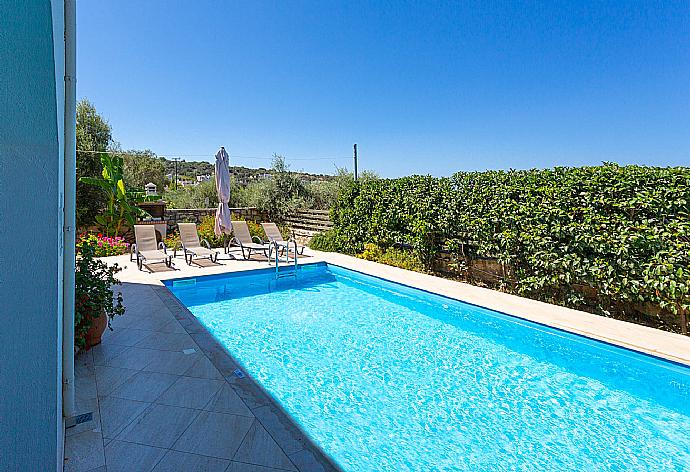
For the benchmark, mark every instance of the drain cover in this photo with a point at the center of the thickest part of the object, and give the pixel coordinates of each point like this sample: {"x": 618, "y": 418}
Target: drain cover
{"x": 79, "y": 419}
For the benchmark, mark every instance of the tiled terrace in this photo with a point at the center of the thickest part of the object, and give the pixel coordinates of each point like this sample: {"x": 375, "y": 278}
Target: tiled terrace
{"x": 165, "y": 396}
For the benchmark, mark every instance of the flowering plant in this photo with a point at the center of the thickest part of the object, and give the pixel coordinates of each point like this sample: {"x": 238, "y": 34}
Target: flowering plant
{"x": 102, "y": 245}
{"x": 94, "y": 294}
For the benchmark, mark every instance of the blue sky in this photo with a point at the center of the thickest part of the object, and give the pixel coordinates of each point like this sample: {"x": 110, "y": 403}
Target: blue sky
{"x": 423, "y": 88}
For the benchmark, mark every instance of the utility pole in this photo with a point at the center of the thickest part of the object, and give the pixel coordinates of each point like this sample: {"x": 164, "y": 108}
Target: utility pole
{"x": 176, "y": 159}
{"x": 355, "y": 156}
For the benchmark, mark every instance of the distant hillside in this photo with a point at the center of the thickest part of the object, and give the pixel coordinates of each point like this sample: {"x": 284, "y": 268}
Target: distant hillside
{"x": 243, "y": 175}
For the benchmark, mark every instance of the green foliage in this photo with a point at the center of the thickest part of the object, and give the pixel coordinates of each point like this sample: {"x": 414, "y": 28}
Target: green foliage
{"x": 118, "y": 209}
{"x": 392, "y": 256}
{"x": 288, "y": 191}
{"x": 322, "y": 194}
{"x": 172, "y": 240}
{"x": 206, "y": 231}
{"x": 102, "y": 245}
{"x": 190, "y": 169}
{"x": 141, "y": 197}
{"x": 327, "y": 241}
{"x": 93, "y": 289}
{"x": 280, "y": 196}
{"x": 142, "y": 167}
{"x": 623, "y": 232}
{"x": 203, "y": 195}
{"x": 93, "y": 134}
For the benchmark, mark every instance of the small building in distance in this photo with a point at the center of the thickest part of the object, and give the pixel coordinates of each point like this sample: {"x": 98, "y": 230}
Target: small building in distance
{"x": 151, "y": 189}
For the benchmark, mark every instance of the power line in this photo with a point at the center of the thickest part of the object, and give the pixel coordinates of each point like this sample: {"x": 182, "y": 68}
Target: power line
{"x": 175, "y": 156}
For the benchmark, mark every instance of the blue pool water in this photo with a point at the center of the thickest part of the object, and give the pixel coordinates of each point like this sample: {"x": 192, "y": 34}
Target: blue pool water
{"x": 389, "y": 378}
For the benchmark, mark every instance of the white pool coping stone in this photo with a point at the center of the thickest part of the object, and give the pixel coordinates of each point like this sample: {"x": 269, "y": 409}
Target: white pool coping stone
{"x": 671, "y": 346}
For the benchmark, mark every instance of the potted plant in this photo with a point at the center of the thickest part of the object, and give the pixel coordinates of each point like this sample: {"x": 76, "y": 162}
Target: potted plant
{"x": 95, "y": 304}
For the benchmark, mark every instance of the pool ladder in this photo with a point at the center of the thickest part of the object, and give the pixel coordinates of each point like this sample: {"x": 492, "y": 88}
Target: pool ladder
{"x": 285, "y": 273}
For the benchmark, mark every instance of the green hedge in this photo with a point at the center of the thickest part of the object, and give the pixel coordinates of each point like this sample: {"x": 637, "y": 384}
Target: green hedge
{"x": 623, "y": 231}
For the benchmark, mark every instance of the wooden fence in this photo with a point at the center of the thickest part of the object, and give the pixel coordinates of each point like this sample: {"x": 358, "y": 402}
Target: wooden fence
{"x": 309, "y": 221}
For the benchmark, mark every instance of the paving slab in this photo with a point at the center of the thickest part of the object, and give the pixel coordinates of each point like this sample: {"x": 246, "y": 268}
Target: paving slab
{"x": 176, "y": 461}
{"x": 159, "y": 426}
{"x": 128, "y": 457}
{"x": 214, "y": 434}
{"x": 190, "y": 392}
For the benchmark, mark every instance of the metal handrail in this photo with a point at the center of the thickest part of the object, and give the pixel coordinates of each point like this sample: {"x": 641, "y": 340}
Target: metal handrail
{"x": 287, "y": 256}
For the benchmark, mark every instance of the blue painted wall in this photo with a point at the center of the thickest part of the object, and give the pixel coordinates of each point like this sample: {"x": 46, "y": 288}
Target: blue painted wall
{"x": 31, "y": 185}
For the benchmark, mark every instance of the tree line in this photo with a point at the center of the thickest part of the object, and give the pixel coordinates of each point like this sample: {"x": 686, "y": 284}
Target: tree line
{"x": 281, "y": 193}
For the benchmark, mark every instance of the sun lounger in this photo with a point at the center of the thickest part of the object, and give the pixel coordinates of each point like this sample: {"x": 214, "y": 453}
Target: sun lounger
{"x": 244, "y": 240}
{"x": 274, "y": 236}
{"x": 147, "y": 249}
{"x": 192, "y": 247}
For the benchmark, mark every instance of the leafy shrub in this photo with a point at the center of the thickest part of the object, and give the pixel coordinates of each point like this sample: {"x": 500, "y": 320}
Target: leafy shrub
{"x": 280, "y": 196}
{"x": 326, "y": 241}
{"x": 620, "y": 232}
{"x": 93, "y": 291}
{"x": 372, "y": 252}
{"x": 206, "y": 231}
{"x": 102, "y": 245}
{"x": 392, "y": 256}
{"x": 172, "y": 240}
{"x": 203, "y": 195}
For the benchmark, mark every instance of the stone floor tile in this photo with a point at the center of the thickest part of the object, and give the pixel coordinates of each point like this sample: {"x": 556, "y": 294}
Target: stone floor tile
{"x": 83, "y": 364}
{"x": 172, "y": 362}
{"x": 242, "y": 467}
{"x": 227, "y": 401}
{"x": 259, "y": 448}
{"x": 125, "y": 336}
{"x": 214, "y": 434}
{"x": 203, "y": 368}
{"x": 132, "y": 358}
{"x": 152, "y": 322}
{"x": 173, "y": 326}
{"x": 160, "y": 426}
{"x": 189, "y": 392}
{"x": 144, "y": 386}
{"x": 109, "y": 378}
{"x": 167, "y": 342}
{"x": 123, "y": 456}
{"x": 103, "y": 352}
{"x": 83, "y": 452}
{"x": 117, "y": 413}
{"x": 85, "y": 387}
{"x": 99, "y": 469}
{"x": 176, "y": 461}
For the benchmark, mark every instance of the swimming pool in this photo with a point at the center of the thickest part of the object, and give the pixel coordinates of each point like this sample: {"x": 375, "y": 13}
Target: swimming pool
{"x": 388, "y": 377}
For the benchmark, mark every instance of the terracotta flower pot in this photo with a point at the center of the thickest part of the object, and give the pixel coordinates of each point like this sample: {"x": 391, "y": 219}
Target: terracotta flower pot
{"x": 95, "y": 332}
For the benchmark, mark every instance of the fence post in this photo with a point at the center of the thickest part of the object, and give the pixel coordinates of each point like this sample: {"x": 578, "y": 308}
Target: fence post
{"x": 355, "y": 156}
